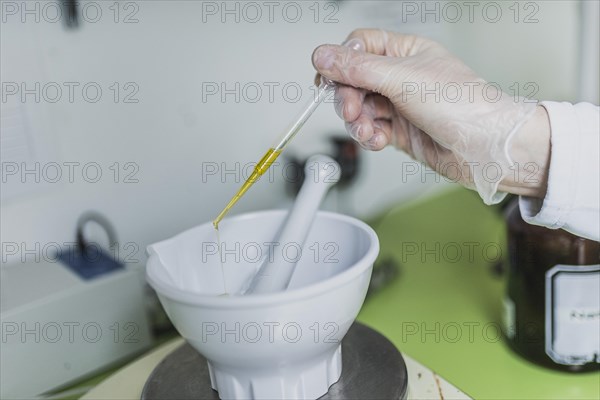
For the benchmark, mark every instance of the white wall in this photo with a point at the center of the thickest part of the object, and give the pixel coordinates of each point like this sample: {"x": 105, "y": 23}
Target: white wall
{"x": 171, "y": 132}
{"x": 542, "y": 47}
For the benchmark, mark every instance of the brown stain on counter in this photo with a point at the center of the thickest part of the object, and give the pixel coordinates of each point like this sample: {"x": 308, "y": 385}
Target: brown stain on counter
{"x": 439, "y": 385}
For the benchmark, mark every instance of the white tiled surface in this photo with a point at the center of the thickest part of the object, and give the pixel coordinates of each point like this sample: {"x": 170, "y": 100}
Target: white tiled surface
{"x": 423, "y": 383}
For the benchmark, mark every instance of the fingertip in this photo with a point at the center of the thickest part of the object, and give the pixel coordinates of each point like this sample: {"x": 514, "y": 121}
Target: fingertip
{"x": 366, "y": 130}
{"x": 323, "y": 57}
{"x": 354, "y": 130}
{"x": 377, "y": 142}
{"x": 355, "y": 44}
{"x": 351, "y": 110}
{"x": 348, "y": 102}
{"x": 313, "y": 57}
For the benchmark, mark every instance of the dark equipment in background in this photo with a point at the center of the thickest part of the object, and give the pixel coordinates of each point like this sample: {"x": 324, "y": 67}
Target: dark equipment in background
{"x": 70, "y": 10}
{"x": 345, "y": 152}
{"x": 88, "y": 259}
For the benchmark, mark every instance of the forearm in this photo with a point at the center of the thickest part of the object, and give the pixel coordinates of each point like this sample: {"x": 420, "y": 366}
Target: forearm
{"x": 530, "y": 152}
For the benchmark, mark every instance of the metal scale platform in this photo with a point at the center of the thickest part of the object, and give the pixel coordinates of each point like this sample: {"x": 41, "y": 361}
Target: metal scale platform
{"x": 372, "y": 368}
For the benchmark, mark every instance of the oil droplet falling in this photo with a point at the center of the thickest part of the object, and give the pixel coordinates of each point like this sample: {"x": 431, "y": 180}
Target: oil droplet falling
{"x": 225, "y": 293}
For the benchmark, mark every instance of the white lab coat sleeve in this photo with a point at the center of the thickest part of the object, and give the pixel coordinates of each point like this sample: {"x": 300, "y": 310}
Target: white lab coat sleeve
{"x": 572, "y": 201}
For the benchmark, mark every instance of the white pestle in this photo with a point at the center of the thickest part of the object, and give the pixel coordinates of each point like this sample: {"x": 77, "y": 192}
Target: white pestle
{"x": 320, "y": 173}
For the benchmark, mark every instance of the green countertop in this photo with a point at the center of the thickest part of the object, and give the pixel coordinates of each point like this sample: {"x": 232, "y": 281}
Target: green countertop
{"x": 444, "y": 308}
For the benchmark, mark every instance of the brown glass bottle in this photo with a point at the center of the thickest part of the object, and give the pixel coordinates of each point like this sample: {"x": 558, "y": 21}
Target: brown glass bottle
{"x": 551, "y": 280}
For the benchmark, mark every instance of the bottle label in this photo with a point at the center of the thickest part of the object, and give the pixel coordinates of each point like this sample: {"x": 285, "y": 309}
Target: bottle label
{"x": 573, "y": 314}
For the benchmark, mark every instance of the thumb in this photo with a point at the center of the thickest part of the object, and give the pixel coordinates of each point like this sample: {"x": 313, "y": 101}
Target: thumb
{"x": 354, "y": 68}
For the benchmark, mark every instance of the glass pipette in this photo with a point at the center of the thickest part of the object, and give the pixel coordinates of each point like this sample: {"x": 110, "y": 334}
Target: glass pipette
{"x": 271, "y": 155}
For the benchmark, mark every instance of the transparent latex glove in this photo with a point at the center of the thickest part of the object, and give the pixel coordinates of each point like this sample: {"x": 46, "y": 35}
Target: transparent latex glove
{"x": 412, "y": 93}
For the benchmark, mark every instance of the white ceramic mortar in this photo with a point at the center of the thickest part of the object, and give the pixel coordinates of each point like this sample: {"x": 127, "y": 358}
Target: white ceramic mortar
{"x": 265, "y": 346}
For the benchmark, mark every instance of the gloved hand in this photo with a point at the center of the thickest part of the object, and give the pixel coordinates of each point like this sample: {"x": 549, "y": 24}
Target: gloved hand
{"x": 412, "y": 93}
